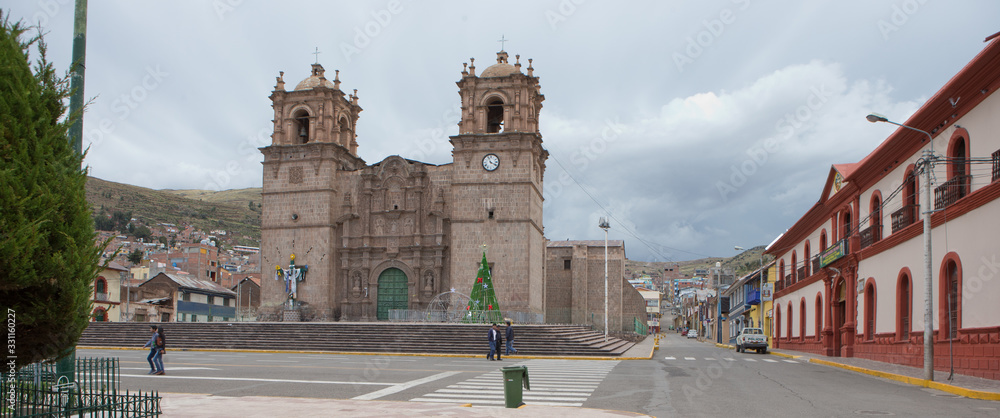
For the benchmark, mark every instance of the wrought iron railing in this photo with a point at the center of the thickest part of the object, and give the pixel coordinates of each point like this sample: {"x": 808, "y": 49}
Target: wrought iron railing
{"x": 996, "y": 166}
{"x": 101, "y": 297}
{"x": 801, "y": 274}
{"x": 871, "y": 235}
{"x": 35, "y": 391}
{"x": 950, "y": 191}
{"x": 416, "y": 315}
{"x": 904, "y": 217}
{"x": 815, "y": 264}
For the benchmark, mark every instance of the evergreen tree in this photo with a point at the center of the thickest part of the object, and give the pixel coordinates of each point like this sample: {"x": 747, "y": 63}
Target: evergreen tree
{"x": 483, "y": 306}
{"x": 48, "y": 258}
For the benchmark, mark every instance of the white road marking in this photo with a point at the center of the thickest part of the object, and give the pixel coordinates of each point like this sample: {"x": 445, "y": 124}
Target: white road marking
{"x": 279, "y": 361}
{"x": 770, "y": 361}
{"x": 403, "y": 386}
{"x": 749, "y": 359}
{"x": 250, "y": 379}
{"x": 790, "y": 361}
{"x": 688, "y": 358}
{"x": 168, "y": 368}
{"x": 670, "y": 358}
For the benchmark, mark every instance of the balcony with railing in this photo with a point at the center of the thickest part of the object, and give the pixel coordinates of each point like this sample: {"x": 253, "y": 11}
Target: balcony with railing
{"x": 871, "y": 235}
{"x": 996, "y": 165}
{"x": 950, "y": 191}
{"x": 753, "y": 297}
{"x": 815, "y": 264}
{"x": 800, "y": 274}
{"x": 904, "y": 217}
{"x": 101, "y": 297}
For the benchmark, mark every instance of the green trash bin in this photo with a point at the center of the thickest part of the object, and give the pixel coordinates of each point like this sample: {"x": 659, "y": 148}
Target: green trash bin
{"x": 514, "y": 378}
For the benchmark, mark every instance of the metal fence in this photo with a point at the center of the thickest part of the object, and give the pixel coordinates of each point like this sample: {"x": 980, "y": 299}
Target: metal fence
{"x": 640, "y": 327}
{"x": 411, "y": 315}
{"x": 35, "y": 391}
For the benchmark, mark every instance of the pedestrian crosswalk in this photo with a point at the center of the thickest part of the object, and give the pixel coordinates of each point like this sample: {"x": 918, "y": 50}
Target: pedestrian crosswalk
{"x": 747, "y": 359}
{"x": 552, "y": 382}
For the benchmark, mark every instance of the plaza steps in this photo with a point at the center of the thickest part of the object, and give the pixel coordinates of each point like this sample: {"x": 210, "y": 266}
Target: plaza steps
{"x": 370, "y": 337}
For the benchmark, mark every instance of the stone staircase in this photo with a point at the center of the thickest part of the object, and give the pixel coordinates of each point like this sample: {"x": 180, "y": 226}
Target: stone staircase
{"x": 370, "y": 337}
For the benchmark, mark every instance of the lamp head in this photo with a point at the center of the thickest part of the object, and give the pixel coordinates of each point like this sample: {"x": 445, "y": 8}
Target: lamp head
{"x": 875, "y": 117}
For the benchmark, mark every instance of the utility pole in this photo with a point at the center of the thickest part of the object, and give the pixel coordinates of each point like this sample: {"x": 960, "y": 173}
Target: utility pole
{"x": 927, "y": 165}
{"x": 77, "y": 69}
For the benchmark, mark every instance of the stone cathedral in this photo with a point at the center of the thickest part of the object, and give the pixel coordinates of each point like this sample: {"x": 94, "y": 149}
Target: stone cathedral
{"x": 394, "y": 234}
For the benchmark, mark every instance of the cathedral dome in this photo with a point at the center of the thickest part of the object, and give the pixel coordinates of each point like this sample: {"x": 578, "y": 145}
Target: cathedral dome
{"x": 501, "y": 68}
{"x": 317, "y": 79}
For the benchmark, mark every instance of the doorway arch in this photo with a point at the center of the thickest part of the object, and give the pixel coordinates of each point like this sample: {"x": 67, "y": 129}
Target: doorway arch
{"x": 393, "y": 292}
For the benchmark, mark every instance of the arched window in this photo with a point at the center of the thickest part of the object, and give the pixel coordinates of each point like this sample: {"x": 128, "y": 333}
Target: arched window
{"x": 845, "y": 224}
{"x": 907, "y": 215}
{"x": 957, "y": 185}
{"x": 494, "y": 116}
{"x": 819, "y": 316}
{"x": 951, "y": 300}
{"x": 100, "y": 315}
{"x": 806, "y": 261}
{"x": 777, "y": 322}
{"x": 346, "y": 133}
{"x": 875, "y": 220}
{"x": 795, "y": 268}
{"x": 301, "y": 126}
{"x": 802, "y": 319}
{"x": 790, "y": 317}
{"x": 100, "y": 288}
{"x": 870, "y": 311}
{"x": 904, "y": 305}
{"x": 822, "y": 240}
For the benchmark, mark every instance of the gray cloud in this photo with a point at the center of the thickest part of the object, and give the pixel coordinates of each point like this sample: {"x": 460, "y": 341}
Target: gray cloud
{"x": 650, "y": 138}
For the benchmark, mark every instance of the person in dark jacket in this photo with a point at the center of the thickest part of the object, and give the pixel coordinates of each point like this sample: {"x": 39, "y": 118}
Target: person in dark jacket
{"x": 154, "y": 351}
{"x": 491, "y": 337}
{"x": 499, "y": 341}
{"x": 161, "y": 347}
{"x": 510, "y": 339}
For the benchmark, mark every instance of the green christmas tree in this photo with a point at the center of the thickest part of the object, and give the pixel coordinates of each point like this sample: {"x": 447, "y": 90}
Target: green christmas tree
{"x": 483, "y": 306}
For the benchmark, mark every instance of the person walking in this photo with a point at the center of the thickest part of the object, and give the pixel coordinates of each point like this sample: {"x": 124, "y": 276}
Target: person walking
{"x": 510, "y": 339}
{"x": 161, "y": 348}
{"x": 491, "y": 337}
{"x": 153, "y": 349}
{"x": 499, "y": 341}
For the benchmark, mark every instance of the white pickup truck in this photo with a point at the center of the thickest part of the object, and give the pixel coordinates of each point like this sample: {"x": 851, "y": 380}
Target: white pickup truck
{"x": 752, "y": 338}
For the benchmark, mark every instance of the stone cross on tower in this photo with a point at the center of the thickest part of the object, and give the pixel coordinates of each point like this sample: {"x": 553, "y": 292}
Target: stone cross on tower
{"x": 502, "y": 40}
{"x": 316, "y": 54}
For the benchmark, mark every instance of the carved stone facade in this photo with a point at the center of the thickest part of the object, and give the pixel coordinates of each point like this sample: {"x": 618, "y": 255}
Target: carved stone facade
{"x": 394, "y": 234}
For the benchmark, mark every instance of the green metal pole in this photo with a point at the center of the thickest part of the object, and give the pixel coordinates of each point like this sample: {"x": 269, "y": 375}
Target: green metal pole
{"x": 76, "y": 78}
{"x": 66, "y": 365}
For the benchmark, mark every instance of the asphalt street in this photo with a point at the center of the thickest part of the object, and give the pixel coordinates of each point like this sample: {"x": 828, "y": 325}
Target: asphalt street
{"x": 684, "y": 378}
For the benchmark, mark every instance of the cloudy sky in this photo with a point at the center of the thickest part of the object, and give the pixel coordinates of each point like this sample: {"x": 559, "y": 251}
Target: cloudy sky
{"x": 694, "y": 125}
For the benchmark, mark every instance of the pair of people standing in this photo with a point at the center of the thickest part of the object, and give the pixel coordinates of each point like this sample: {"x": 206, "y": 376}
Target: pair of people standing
{"x": 157, "y": 346}
{"x": 495, "y": 339}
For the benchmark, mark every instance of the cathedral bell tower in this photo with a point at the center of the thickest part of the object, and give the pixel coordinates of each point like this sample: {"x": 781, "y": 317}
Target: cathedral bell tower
{"x": 497, "y": 176}
{"x": 313, "y": 144}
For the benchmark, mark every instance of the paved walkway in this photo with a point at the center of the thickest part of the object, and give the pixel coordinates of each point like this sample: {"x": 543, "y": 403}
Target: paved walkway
{"x": 968, "y": 386}
{"x": 200, "y": 405}
{"x": 197, "y": 406}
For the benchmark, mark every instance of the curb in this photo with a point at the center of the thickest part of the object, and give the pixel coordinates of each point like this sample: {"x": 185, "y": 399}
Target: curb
{"x": 359, "y": 353}
{"x": 782, "y": 354}
{"x": 968, "y": 393}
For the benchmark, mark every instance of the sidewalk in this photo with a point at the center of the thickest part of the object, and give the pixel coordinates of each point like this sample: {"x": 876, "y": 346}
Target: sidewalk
{"x": 196, "y": 406}
{"x": 203, "y": 405}
{"x": 962, "y": 385}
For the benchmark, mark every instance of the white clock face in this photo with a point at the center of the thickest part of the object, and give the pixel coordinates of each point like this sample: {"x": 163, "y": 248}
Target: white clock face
{"x": 491, "y": 162}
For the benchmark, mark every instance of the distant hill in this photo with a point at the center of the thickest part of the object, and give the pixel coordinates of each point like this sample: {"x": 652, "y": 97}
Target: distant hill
{"x": 229, "y": 210}
{"x": 741, "y": 263}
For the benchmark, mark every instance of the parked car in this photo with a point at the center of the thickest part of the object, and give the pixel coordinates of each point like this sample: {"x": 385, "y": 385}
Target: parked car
{"x": 752, "y": 338}
{"x": 692, "y": 333}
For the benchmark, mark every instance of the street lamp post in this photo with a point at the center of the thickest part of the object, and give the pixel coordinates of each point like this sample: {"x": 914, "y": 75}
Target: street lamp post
{"x": 603, "y": 224}
{"x": 718, "y": 302}
{"x": 928, "y": 157}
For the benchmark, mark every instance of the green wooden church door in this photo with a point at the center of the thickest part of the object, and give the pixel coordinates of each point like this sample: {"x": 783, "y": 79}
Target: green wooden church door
{"x": 392, "y": 292}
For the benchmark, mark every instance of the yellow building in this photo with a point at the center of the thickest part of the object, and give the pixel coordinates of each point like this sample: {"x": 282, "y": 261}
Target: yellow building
{"x": 107, "y": 293}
